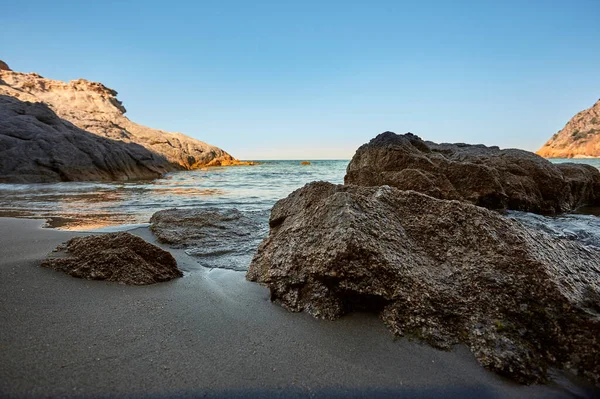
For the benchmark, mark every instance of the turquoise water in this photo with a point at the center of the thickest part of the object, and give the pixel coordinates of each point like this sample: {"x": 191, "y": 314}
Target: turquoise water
{"x": 590, "y": 161}
{"x": 93, "y": 206}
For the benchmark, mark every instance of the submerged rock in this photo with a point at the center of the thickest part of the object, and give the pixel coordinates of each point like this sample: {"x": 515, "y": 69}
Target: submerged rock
{"x": 120, "y": 257}
{"x": 444, "y": 271}
{"x": 225, "y": 239}
{"x": 485, "y": 176}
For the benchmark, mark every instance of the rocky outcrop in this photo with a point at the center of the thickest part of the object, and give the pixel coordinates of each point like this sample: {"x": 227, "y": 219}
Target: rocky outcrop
{"x": 95, "y": 108}
{"x": 225, "y": 239}
{"x": 119, "y": 257}
{"x": 4, "y": 66}
{"x": 443, "y": 271}
{"x": 38, "y": 146}
{"x": 580, "y": 138}
{"x": 484, "y": 176}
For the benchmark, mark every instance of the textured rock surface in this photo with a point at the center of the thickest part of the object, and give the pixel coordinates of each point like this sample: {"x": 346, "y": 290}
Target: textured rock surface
{"x": 120, "y": 257}
{"x": 444, "y": 271}
{"x": 95, "y": 108}
{"x": 4, "y": 66}
{"x": 225, "y": 239}
{"x": 485, "y": 176}
{"x": 38, "y": 146}
{"x": 579, "y": 138}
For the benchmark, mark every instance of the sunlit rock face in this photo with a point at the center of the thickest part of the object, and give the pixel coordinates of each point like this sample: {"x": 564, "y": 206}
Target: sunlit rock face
{"x": 444, "y": 271}
{"x": 95, "y": 108}
{"x": 580, "y": 138}
{"x": 484, "y": 176}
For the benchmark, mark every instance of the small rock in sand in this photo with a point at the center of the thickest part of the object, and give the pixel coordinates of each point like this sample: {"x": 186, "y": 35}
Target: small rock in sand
{"x": 119, "y": 257}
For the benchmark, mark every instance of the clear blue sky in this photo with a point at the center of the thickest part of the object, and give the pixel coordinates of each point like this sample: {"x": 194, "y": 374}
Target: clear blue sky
{"x": 315, "y": 79}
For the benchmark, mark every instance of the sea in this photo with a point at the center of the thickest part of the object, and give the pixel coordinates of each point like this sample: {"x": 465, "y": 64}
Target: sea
{"x": 89, "y": 206}
{"x": 252, "y": 190}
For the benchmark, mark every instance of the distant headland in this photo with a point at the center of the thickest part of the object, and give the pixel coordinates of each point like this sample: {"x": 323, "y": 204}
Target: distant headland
{"x": 57, "y": 131}
{"x": 580, "y": 138}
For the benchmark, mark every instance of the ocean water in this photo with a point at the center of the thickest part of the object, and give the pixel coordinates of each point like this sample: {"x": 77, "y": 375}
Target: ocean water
{"x": 89, "y": 206}
{"x": 252, "y": 190}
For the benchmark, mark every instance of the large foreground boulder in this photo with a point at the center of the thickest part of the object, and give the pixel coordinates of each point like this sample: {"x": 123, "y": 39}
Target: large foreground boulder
{"x": 120, "y": 257}
{"x": 444, "y": 271}
{"x": 225, "y": 238}
{"x": 485, "y": 176}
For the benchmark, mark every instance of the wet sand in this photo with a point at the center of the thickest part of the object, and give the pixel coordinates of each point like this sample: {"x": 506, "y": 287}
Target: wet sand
{"x": 209, "y": 334}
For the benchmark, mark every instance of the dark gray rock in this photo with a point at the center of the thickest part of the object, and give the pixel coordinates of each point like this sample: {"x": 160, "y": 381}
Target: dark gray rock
{"x": 485, "y": 176}
{"x": 444, "y": 271}
{"x": 119, "y": 257}
{"x": 38, "y": 146}
{"x": 225, "y": 239}
{"x": 95, "y": 108}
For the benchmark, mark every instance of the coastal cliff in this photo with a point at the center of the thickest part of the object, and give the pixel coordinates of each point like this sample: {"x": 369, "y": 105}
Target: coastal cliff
{"x": 94, "y": 108}
{"x": 36, "y": 146}
{"x": 580, "y": 138}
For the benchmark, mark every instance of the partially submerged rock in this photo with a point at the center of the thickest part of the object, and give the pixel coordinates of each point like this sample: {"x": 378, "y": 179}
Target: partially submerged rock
{"x": 224, "y": 239}
{"x": 119, "y": 257}
{"x": 444, "y": 271}
{"x": 485, "y": 176}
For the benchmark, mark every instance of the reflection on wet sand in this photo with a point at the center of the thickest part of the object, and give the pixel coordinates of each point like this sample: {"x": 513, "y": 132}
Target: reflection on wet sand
{"x": 87, "y": 222}
{"x": 80, "y": 210}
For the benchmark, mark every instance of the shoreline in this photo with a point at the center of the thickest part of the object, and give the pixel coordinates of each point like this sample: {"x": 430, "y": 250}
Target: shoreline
{"x": 209, "y": 333}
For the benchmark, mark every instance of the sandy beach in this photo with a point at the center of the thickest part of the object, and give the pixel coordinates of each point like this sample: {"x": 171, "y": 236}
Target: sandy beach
{"x": 209, "y": 334}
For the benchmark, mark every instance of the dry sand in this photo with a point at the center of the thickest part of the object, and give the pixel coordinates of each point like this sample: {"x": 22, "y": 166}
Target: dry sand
{"x": 208, "y": 334}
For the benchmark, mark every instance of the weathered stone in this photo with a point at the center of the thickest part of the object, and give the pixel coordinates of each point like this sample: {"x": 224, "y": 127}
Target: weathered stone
{"x": 485, "y": 176}
{"x": 120, "y": 257}
{"x": 442, "y": 270}
{"x": 225, "y": 239}
{"x": 580, "y": 138}
{"x": 94, "y": 108}
{"x": 4, "y": 66}
{"x": 38, "y": 146}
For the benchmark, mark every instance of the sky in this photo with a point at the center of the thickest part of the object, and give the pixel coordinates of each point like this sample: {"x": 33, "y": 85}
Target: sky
{"x": 316, "y": 79}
